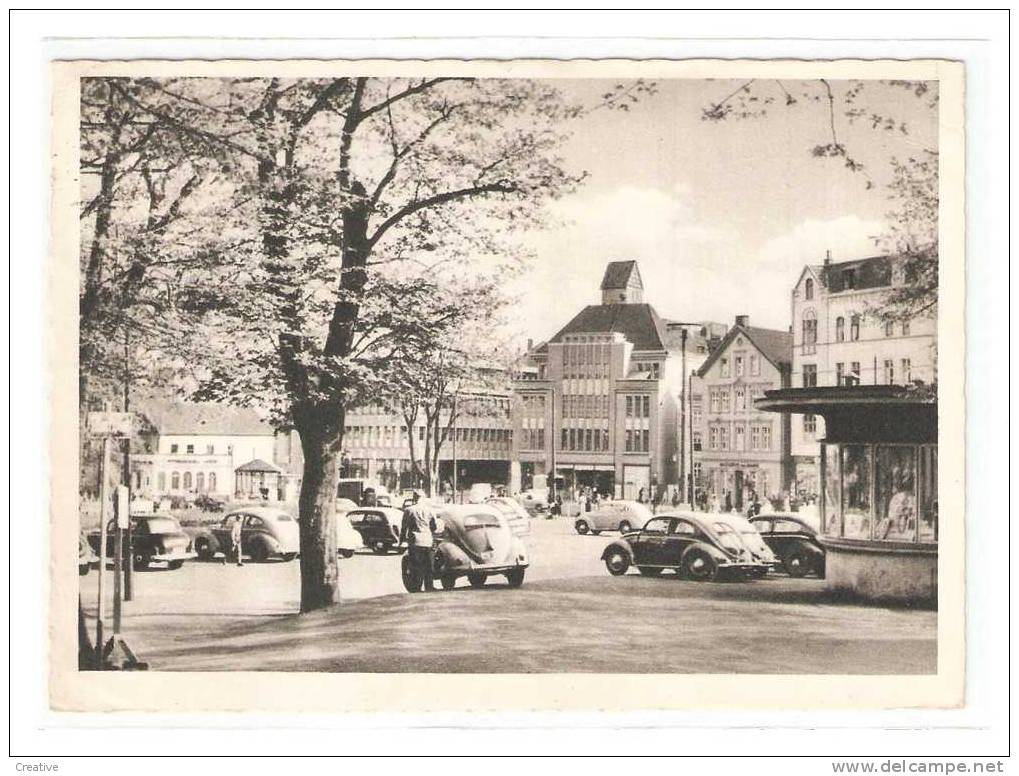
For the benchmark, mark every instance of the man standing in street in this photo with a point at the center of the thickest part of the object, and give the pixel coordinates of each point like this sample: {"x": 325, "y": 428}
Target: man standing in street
{"x": 416, "y": 530}
{"x": 235, "y": 538}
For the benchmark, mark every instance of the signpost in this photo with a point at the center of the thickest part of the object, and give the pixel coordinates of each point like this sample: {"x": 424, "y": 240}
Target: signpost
{"x": 113, "y": 653}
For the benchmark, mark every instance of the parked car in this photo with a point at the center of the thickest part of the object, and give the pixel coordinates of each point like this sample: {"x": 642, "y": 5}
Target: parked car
{"x": 794, "y": 541}
{"x": 479, "y": 493}
{"x": 534, "y": 501}
{"x": 693, "y": 545}
{"x": 154, "y": 539}
{"x": 87, "y": 558}
{"x": 379, "y": 527}
{"x": 752, "y": 538}
{"x": 622, "y": 516}
{"x": 516, "y": 515}
{"x": 207, "y": 503}
{"x": 348, "y": 541}
{"x": 265, "y": 532}
{"x": 475, "y": 541}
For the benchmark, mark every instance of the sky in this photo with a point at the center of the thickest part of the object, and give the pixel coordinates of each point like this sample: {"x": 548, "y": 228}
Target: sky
{"x": 721, "y": 216}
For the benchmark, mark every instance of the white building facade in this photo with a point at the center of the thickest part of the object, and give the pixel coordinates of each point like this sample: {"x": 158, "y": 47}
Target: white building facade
{"x": 839, "y": 338}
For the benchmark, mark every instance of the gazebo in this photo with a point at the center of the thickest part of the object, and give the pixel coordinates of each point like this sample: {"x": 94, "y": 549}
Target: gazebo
{"x": 258, "y": 479}
{"x": 879, "y": 486}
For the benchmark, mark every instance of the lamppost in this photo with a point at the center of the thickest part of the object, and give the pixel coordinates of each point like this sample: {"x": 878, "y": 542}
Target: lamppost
{"x": 685, "y": 482}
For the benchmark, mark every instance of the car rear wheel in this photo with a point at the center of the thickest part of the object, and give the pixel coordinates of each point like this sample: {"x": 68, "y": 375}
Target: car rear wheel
{"x": 448, "y": 581}
{"x": 204, "y": 549}
{"x": 700, "y": 567}
{"x": 175, "y": 564}
{"x": 346, "y": 553}
{"x": 259, "y": 553}
{"x": 411, "y": 579}
{"x": 616, "y": 562}
{"x": 515, "y": 577}
{"x": 477, "y": 580}
{"x": 582, "y": 527}
{"x": 797, "y": 564}
{"x": 625, "y": 527}
{"x": 649, "y": 571}
{"x": 289, "y": 556}
{"x": 140, "y": 563}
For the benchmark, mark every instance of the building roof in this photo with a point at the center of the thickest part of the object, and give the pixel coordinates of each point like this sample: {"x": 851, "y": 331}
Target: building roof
{"x": 776, "y": 346}
{"x": 871, "y": 272}
{"x": 257, "y": 465}
{"x": 201, "y": 418}
{"x": 639, "y": 323}
{"x": 619, "y": 273}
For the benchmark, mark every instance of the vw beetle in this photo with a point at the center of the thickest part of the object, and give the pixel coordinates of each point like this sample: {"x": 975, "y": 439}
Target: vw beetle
{"x": 265, "y": 532}
{"x": 695, "y": 546}
{"x": 473, "y": 541}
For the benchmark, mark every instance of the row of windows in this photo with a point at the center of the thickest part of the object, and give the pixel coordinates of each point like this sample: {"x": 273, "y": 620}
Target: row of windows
{"x": 532, "y": 439}
{"x": 854, "y": 376}
{"x": 586, "y": 406}
{"x": 638, "y": 440}
{"x": 638, "y": 406}
{"x": 190, "y": 449}
{"x": 722, "y": 400}
{"x": 396, "y": 436}
{"x": 177, "y": 482}
{"x": 741, "y": 365}
{"x": 654, "y": 367}
{"x": 809, "y": 329}
{"x": 585, "y": 356}
{"x": 585, "y": 440}
{"x": 719, "y": 439}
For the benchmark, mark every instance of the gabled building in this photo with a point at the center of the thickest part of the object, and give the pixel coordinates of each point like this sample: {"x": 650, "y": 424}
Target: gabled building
{"x": 738, "y": 451}
{"x": 600, "y": 405}
{"x": 841, "y": 340}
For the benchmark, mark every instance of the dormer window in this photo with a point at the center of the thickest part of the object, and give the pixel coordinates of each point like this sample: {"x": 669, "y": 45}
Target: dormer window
{"x": 849, "y": 278}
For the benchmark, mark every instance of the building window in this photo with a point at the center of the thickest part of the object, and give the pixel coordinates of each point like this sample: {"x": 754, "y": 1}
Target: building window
{"x": 212, "y": 482}
{"x": 647, "y": 406}
{"x": 739, "y": 366}
{"x": 889, "y": 371}
{"x": 810, "y": 375}
{"x": 895, "y": 493}
{"x": 741, "y": 441}
{"x": 856, "y": 476}
{"x": 840, "y": 329}
{"x": 766, "y": 438}
{"x": 200, "y": 482}
{"x": 849, "y": 279}
{"x": 629, "y": 406}
{"x": 161, "y": 479}
{"x": 175, "y": 481}
{"x": 907, "y": 371}
{"x": 696, "y": 441}
{"x": 187, "y": 480}
{"x": 723, "y": 438}
{"x": 190, "y": 450}
{"x": 741, "y": 398}
{"x": 174, "y": 448}
{"x": 905, "y": 328}
{"x": 713, "y": 437}
{"x": 723, "y": 367}
{"x": 714, "y": 401}
{"x": 840, "y": 373}
{"x": 810, "y": 424}
{"x": 809, "y": 332}
{"x": 755, "y": 438}
{"x": 889, "y": 328}
{"x": 629, "y": 440}
{"x": 854, "y": 373}
{"x": 755, "y": 364}
{"x": 808, "y": 289}
{"x": 854, "y": 328}
{"x": 210, "y": 449}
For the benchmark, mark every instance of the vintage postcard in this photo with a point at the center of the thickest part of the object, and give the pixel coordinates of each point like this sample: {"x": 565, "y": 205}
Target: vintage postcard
{"x": 478, "y": 385}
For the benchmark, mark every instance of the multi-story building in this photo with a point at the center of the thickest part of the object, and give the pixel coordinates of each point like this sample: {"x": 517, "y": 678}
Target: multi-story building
{"x": 601, "y": 406}
{"x": 739, "y": 451}
{"x": 376, "y": 445}
{"x": 840, "y": 339}
{"x": 187, "y": 449}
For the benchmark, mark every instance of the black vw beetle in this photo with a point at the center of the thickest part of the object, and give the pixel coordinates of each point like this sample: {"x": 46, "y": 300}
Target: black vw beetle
{"x": 794, "y": 541}
{"x": 693, "y": 545}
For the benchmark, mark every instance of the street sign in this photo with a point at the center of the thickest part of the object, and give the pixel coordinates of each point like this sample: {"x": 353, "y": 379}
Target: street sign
{"x": 109, "y": 423}
{"x": 121, "y": 503}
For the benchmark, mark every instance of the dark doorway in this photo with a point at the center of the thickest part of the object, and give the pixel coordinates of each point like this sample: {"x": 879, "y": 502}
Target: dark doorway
{"x": 739, "y": 490}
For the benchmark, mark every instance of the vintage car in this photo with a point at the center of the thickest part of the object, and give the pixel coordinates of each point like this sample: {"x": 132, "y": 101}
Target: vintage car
{"x": 473, "y": 541}
{"x": 86, "y": 556}
{"x": 266, "y": 532}
{"x": 622, "y": 516}
{"x": 519, "y": 520}
{"x": 794, "y": 541}
{"x": 379, "y": 527}
{"x": 348, "y": 541}
{"x": 751, "y": 538}
{"x": 534, "y": 501}
{"x": 154, "y": 539}
{"x": 690, "y": 544}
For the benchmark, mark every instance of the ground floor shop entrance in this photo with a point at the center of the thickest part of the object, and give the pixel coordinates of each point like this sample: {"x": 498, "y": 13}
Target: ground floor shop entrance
{"x": 636, "y": 483}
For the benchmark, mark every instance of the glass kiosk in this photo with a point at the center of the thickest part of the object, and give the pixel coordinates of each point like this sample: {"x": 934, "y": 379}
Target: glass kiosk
{"x": 879, "y": 494}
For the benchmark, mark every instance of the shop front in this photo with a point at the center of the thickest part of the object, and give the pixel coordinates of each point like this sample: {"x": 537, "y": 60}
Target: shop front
{"x": 878, "y": 489}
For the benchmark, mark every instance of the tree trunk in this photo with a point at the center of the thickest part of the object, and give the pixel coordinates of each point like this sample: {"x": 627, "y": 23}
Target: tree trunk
{"x": 321, "y": 443}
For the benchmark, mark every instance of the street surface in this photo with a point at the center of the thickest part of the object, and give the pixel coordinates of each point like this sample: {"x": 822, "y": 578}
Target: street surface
{"x": 569, "y": 616}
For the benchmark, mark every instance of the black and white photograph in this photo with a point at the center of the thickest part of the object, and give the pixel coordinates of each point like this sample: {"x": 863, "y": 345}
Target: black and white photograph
{"x": 457, "y": 374}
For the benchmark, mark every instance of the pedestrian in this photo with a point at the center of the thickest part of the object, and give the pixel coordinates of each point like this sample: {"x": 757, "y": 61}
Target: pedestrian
{"x": 640, "y": 496}
{"x": 235, "y": 539}
{"x": 728, "y": 501}
{"x": 417, "y": 531}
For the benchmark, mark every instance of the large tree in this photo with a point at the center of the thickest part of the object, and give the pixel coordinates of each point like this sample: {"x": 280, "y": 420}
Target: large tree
{"x": 360, "y": 190}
